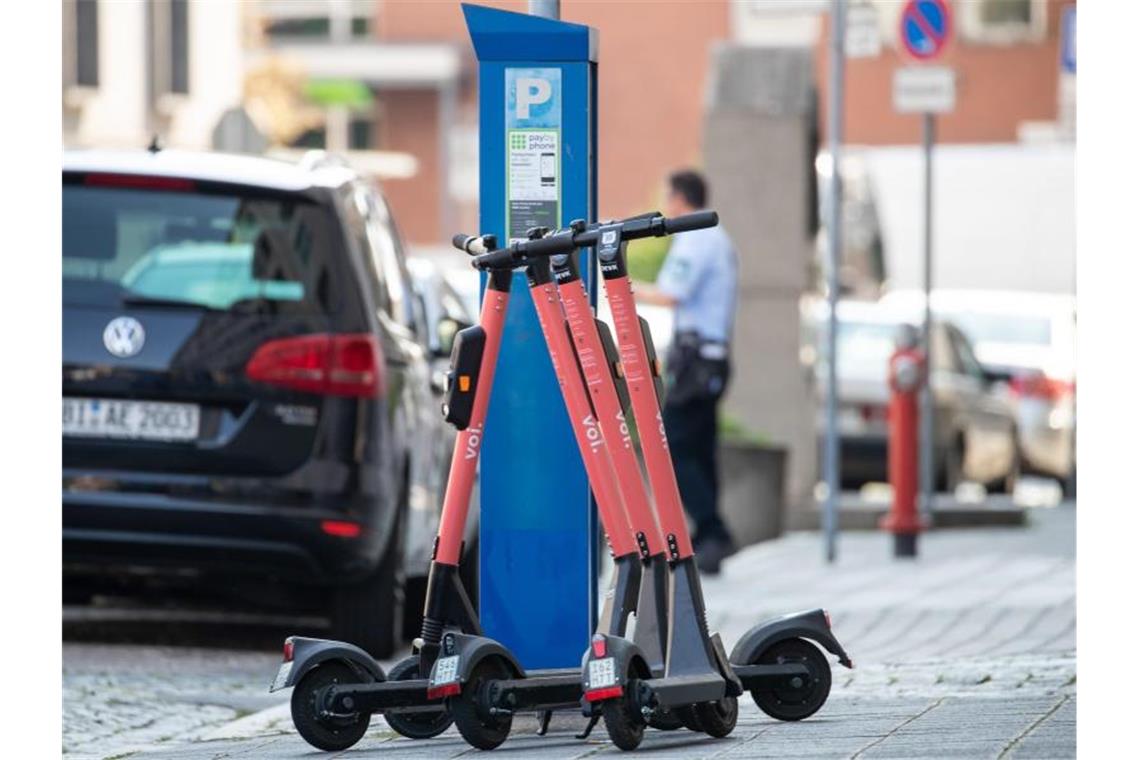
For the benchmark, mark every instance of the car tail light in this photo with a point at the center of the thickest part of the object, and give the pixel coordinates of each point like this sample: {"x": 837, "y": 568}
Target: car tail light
{"x": 325, "y": 364}
{"x": 1041, "y": 386}
{"x": 288, "y": 649}
{"x": 341, "y": 528}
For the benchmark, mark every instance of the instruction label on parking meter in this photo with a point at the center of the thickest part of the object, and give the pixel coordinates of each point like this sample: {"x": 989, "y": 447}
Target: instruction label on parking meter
{"x": 534, "y": 159}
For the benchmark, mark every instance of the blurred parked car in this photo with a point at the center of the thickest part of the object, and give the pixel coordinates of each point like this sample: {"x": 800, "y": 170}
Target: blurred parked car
{"x": 1027, "y": 340}
{"x": 246, "y": 388}
{"x": 975, "y": 430}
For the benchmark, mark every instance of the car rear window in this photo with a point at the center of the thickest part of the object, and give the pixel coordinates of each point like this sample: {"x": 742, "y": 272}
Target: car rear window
{"x": 224, "y": 250}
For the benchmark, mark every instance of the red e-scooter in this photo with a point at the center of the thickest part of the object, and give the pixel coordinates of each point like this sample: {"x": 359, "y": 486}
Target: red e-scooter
{"x": 339, "y": 686}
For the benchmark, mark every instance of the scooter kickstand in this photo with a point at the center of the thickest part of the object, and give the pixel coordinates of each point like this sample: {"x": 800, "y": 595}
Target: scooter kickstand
{"x": 544, "y": 721}
{"x": 589, "y": 727}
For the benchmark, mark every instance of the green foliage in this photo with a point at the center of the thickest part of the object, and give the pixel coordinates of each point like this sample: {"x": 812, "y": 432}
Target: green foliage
{"x": 733, "y": 430}
{"x": 645, "y": 257}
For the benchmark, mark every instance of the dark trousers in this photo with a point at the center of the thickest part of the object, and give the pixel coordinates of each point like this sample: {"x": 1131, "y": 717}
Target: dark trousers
{"x": 690, "y": 427}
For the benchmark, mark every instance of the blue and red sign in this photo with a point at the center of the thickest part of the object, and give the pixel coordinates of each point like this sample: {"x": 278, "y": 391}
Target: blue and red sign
{"x": 925, "y": 28}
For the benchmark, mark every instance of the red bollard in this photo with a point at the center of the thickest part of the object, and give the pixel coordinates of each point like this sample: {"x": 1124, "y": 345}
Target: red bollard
{"x": 907, "y": 372}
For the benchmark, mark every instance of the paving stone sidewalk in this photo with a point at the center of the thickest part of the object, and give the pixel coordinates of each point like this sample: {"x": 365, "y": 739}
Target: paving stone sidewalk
{"x": 967, "y": 652}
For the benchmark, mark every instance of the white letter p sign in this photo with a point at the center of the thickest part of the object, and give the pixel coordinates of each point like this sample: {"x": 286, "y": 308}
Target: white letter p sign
{"x": 530, "y": 91}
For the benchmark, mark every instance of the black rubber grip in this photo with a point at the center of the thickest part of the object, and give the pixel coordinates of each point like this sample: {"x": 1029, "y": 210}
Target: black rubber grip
{"x": 504, "y": 258}
{"x": 696, "y": 221}
{"x": 460, "y": 242}
{"x": 548, "y": 246}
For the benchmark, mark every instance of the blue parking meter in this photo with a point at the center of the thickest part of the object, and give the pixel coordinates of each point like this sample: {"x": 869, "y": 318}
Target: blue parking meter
{"x": 537, "y": 132}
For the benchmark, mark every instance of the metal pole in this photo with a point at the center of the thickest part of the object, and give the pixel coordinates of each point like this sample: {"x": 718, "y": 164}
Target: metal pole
{"x": 926, "y": 426}
{"x": 834, "y": 253}
{"x": 544, "y": 8}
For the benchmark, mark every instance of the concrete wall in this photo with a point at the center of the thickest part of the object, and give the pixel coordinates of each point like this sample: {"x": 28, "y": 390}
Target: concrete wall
{"x": 758, "y": 154}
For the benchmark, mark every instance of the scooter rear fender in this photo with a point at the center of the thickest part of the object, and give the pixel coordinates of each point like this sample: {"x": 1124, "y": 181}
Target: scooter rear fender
{"x": 309, "y": 653}
{"x": 812, "y": 624}
{"x": 627, "y": 657}
{"x": 471, "y": 650}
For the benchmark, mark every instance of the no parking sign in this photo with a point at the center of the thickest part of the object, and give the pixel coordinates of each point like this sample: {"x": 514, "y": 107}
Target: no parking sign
{"x": 925, "y": 28}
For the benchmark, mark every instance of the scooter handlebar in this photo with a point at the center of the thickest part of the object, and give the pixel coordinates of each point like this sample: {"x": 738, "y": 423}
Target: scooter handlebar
{"x": 504, "y": 258}
{"x": 565, "y": 241}
{"x": 695, "y": 221}
{"x": 474, "y": 244}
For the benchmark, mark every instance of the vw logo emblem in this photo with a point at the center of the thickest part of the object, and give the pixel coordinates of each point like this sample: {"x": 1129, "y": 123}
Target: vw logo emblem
{"x": 124, "y": 337}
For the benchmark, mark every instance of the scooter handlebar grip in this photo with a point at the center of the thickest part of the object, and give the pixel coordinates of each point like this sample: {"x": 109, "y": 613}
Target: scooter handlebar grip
{"x": 460, "y": 242}
{"x": 549, "y": 246}
{"x": 504, "y": 258}
{"x": 696, "y": 221}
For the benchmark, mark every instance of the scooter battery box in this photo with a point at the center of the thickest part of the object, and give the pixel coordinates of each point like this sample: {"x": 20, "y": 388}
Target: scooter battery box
{"x": 463, "y": 378}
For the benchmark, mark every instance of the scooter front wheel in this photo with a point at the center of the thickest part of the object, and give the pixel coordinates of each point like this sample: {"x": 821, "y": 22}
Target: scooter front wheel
{"x": 798, "y": 698}
{"x": 330, "y": 733}
{"x": 419, "y": 725}
{"x": 472, "y": 716}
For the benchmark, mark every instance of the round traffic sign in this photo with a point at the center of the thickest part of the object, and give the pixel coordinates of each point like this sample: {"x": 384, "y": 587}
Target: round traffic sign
{"x": 925, "y": 27}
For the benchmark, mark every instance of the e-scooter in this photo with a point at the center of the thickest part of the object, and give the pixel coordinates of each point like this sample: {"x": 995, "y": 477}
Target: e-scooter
{"x": 338, "y": 686}
{"x": 788, "y": 677}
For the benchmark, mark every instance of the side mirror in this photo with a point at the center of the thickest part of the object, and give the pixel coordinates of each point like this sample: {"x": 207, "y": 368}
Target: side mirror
{"x": 446, "y": 330}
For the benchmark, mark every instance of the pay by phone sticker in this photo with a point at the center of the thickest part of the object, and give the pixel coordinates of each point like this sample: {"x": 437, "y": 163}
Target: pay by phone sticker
{"x": 534, "y": 144}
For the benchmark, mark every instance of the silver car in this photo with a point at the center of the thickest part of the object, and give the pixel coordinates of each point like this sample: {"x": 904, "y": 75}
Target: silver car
{"x": 1028, "y": 342}
{"x": 975, "y": 429}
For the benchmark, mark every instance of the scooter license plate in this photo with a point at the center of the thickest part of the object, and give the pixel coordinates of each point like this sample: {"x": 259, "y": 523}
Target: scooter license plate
{"x": 282, "y": 676}
{"x": 446, "y": 671}
{"x": 602, "y": 673}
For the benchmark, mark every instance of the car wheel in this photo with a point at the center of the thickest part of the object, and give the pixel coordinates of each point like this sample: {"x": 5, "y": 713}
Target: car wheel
{"x": 369, "y": 613}
{"x": 1007, "y": 484}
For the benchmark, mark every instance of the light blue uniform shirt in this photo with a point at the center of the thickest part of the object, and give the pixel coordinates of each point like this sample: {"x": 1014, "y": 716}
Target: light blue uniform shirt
{"x": 700, "y": 274}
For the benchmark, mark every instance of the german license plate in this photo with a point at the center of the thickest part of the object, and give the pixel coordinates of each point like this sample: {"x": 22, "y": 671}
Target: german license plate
{"x": 132, "y": 420}
{"x": 282, "y": 676}
{"x": 602, "y": 673}
{"x": 446, "y": 671}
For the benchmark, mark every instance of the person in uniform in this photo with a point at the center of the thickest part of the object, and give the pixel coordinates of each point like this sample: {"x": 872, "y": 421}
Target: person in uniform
{"x": 698, "y": 279}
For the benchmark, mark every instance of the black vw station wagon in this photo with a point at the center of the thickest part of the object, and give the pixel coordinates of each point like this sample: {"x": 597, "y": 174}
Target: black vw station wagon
{"x": 246, "y": 387}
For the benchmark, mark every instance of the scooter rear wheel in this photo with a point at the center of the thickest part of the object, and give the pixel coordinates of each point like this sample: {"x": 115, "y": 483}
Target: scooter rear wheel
{"x": 664, "y": 719}
{"x": 795, "y": 701}
{"x": 420, "y": 725}
{"x": 622, "y": 717}
{"x": 479, "y": 728}
{"x": 718, "y": 719}
{"x": 687, "y": 716}
{"x": 331, "y": 734}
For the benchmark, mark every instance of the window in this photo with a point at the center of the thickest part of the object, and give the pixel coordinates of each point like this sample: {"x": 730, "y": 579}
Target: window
{"x": 966, "y": 360}
{"x": 168, "y": 43}
{"x": 317, "y": 20}
{"x": 357, "y": 224}
{"x": 81, "y": 43}
{"x": 314, "y": 28}
{"x": 1000, "y": 22}
{"x": 228, "y": 250}
{"x": 388, "y": 258}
